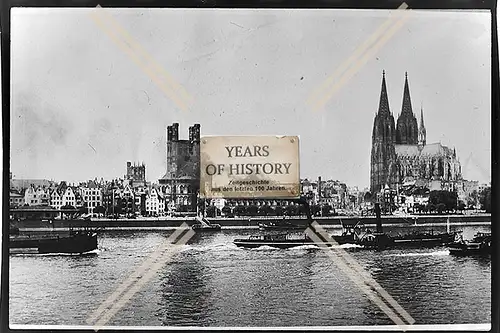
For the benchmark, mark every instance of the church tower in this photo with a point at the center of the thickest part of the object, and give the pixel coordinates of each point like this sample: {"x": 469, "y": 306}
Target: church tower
{"x": 383, "y": 154}
{"x": 422, "y": 134}
{"x": 407, "y": 128}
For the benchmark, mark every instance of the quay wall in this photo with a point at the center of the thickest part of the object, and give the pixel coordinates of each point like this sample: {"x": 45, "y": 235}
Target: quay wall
{"x": 423, "y": 220}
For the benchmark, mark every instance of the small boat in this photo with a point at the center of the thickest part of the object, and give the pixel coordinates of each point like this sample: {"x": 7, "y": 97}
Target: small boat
{"x": 77, "y": 242}
{"x": 479, "y": 245}
{"x": 282, "y": 241}
{"x": 204, "y": 225}
{"x": 281, "y": 225}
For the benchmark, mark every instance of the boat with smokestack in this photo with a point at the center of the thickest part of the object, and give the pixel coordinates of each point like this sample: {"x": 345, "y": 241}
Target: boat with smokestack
{"x": 378, "y": 240}
{"x": 288, "y": 240}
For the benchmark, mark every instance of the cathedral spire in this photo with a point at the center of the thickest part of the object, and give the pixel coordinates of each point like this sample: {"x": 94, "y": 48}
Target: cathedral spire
{"x": 422, "y": 133}
{"x": 383, "y": 107}
{"x": 407, "y": 124}
{"x": 406, "y": 98}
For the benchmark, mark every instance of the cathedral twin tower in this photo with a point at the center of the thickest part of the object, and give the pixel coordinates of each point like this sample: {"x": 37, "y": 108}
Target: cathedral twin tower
{"x": 399, "y": 150}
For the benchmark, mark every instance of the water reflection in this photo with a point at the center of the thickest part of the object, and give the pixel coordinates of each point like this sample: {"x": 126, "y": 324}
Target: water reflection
{"x": 185, "y": 298}
{"x": 212, "y": 282}
{"x": 426, "y": 282}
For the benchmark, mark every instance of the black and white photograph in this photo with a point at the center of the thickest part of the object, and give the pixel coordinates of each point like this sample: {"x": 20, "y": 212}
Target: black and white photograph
{"x": 296, "y": 168}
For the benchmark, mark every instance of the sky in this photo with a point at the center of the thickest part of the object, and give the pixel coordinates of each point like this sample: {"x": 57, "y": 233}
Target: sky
{"x": 81, "y": 106}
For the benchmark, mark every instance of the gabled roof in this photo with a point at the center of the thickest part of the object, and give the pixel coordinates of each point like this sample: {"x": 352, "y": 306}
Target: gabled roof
{"x": 68, "y": 188}
{"x": 91, "y": 184}
{"x": 25, "y": 183}
{"x": 54, "y": 192}
{"x": 407, "y": 150}
{"x": 306, "y": 182}
{"x": 434, "y": 149}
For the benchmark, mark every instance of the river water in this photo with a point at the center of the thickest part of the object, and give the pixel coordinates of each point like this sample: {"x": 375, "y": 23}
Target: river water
{"x": 211, "y": 282}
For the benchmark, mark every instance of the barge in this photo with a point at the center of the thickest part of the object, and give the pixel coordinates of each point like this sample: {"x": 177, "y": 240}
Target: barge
{"x": 77, "y": 242}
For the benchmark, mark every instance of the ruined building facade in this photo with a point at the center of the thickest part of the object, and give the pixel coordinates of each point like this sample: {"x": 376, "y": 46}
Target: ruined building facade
{"x": 400, "y": 152}
{"x": 181, "y": 181}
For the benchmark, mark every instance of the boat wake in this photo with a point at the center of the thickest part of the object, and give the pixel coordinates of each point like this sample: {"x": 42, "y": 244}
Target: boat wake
{"x": 420, "y": 254}
{"x": 211, "y": 247}
{"x": 264, "y": 248}
{"x": 304, "y": 247}
{"x": 31, "y": 253}
{"x": 231, "y": 247}
{"x": 350, "y": 246}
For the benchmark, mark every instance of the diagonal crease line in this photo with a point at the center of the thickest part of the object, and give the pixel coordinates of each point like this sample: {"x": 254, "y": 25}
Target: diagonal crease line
{"x": 130, "y": 52}
{"x": 353, "y": 70}
{"x": 470, "y": 159}
{"x": 357, "y": 267}
{"x": 369, "y": 292}
{"x": 147, "y": 63}
{"x": 358, "y": 52}
{"x": 352, "y": 269}
{"x": 136, "y": 274}
{"x": 144, "y": 279}
{"x": 134, "y": 44}
{"x": 365, "y": 288}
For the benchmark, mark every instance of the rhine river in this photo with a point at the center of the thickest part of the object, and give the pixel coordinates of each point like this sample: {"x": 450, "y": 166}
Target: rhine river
{"x": 211, "y": 282}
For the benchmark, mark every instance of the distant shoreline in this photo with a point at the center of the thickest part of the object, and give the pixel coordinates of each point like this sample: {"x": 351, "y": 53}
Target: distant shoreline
{"x": 326, "y": 226}
{"x": 253, "y": 222}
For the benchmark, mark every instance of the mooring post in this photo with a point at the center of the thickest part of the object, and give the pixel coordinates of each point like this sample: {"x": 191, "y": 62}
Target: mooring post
{"x": 378, "y": 219}
{"x": 303, "y": 200}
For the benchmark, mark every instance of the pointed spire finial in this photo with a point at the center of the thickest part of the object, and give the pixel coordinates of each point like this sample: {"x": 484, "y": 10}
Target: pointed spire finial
{"x": 406, "y": 108}
{"x": 384, "y": 101}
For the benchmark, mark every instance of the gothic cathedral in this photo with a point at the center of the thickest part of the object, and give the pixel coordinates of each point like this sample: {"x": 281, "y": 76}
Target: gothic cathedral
{"x": 400, "y": 153}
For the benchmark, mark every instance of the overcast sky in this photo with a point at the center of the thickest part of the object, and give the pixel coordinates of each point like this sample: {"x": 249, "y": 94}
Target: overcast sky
{"x": 81, "y": 107}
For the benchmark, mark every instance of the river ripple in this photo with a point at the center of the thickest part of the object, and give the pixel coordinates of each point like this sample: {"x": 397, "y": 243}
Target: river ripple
{"x": 211, "y": 282}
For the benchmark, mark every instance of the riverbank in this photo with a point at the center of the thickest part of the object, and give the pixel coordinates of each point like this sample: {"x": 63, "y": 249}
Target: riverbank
{"x": 253, "y": 222}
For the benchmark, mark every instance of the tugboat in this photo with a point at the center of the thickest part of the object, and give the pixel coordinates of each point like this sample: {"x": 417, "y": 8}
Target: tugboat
{"x": 479, "y": 245}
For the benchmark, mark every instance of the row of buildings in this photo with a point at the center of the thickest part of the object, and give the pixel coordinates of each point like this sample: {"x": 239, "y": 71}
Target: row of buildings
{"x": 109, "y": 198}
{"x": 131, "y": 197}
